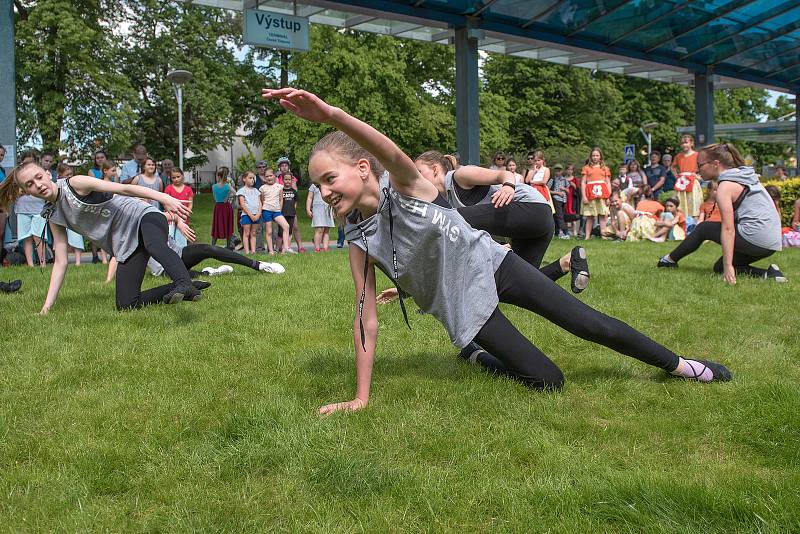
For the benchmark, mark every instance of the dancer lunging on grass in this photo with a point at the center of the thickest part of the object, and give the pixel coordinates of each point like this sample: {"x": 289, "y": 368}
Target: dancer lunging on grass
{"x": 750, "y": 229}
{"x": 401, "y": 223}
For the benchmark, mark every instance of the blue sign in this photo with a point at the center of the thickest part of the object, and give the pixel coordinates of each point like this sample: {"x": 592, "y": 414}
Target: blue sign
{"x": 630, "y": 153}
{"x": 275, "y": 30}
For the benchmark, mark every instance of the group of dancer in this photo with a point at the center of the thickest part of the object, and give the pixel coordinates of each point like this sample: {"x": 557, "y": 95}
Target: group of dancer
{"x": 426, "y": 224}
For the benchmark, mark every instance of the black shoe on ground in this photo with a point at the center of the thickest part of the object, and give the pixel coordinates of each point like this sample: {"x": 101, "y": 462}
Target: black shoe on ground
{"x": 579, "y": 268}
{"x": 10, "y": 287}
{"x": 470, "y": 352}
{"x": 774, "y": 272}
{"x": 182, "y": 292}
{"x": 666, "y": 263}
{"x": 201, "y": 284}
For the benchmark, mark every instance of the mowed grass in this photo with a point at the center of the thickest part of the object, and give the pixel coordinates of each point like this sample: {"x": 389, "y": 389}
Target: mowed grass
{"x": 203, "y": 416}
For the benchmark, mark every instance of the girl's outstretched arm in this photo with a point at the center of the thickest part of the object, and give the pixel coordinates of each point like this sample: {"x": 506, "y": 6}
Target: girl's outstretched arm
{"x": 83, "y": 185}
{"x": 369, "y": 318}
{"x": 59, "y": 266}
{"x": 310, "y": 107}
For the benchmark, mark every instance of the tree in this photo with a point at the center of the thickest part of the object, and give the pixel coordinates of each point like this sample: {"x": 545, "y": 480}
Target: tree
{"x": 394, "y": 85}
{"x": 69, "y": 90}
{"x": 223, "y": 93}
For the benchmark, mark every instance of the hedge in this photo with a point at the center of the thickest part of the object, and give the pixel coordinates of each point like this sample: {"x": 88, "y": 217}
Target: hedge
{"x": 790, "y": 192}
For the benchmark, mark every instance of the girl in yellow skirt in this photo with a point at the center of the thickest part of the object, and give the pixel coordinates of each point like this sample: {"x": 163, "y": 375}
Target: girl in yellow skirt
{"x": 687, "y": 184}
{"x": 595, "y": 192}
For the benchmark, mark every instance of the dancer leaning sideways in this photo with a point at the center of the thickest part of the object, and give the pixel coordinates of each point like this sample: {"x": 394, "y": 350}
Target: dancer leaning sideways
{"x": 112, "y": 216}
{"x": 399, "y": 222}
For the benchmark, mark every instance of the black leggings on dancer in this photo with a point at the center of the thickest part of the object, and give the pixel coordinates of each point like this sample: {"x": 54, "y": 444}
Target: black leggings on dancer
{"x": 194, "y": 254}
{"x": 744, "y": 252}
{"x": 529, "y": 225}
{"x": 152, "y": 242}
{"x": 513, "y": 354}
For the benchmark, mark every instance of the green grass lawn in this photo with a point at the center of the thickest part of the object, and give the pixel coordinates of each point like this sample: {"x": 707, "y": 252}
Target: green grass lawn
{"x": 202, "y": 416}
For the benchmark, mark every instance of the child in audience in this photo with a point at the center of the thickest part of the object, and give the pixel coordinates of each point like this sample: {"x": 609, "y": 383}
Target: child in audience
{"x": 180, "y": 191}
{"x": 687, "y": 182}
{"x": 775, "y": 194}
{"x": 672, "y": 225}
{"x": 222, "y": 218}
{"x": 321, "y": 218}
{"x": 644, "y": 217}
{"x": 271, "y": 205}
{"x": 709, "y": 211}
{"x": 538, "y": 176}
{"x": 109, "y": 172}
{"x": 595, "y": 191}
{"x": 74, "y": 239}
{"x": 511, "y": 166}
{"x": 250, "y": 206}
{"x": 573, "y": 206}
{"x": 619, "y": 218}
{"x": 559, "y": 187}
{"x": 289, "y": 211}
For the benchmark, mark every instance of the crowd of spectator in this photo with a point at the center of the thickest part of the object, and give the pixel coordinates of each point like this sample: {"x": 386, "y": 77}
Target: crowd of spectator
{"x": 664, "y": 200}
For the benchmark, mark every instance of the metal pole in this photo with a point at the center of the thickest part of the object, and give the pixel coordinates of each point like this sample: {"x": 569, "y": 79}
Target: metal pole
{"x": 704, "y": 108}
{"x": 180, "y": 127}
{"x": 467, "y": 116}
{"x": 8, "y": 97}
{"x": 797, "y": 133}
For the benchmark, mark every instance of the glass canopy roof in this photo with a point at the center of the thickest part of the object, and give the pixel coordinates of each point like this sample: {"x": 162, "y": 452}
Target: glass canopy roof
{"x": 739, "y": 42}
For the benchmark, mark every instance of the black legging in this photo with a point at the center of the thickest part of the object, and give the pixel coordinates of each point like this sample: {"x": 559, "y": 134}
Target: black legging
{"x": 513, "y": 354}
{"x": 744, "y": 252}
{"x": 194, "y": 254}
{"x": 529, "y": 225}
{"x": 152, "y": 242}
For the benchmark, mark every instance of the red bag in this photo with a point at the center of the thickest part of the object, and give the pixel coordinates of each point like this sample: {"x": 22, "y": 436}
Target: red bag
{"x": 595, "y": 190}
{"x": 685, "y": 182}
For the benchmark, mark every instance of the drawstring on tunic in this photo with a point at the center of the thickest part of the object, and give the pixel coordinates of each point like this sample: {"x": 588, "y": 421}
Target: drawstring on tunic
{"x": 393, "y": 278}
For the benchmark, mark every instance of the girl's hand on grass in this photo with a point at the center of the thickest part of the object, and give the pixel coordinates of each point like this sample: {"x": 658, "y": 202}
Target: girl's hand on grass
{"x": 730, "y": 275}
{"x": 350, "y": 406}
{"x": 387, "y": 295}
{"x": 45, "y": 310}
{"x": 186, "y": 230}
{"x": 503, "y": 196}
{"x": 305, "y": 105}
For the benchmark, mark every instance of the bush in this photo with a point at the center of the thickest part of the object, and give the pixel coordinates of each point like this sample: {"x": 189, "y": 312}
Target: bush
{"x": 790, "y": 192}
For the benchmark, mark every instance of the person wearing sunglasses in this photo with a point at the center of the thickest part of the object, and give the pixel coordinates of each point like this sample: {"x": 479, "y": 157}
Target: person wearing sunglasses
{"x": 498, "y": 161}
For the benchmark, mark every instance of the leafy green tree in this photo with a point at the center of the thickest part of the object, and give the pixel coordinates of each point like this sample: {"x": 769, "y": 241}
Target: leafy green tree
{"x": 70, "y": 92}
{"x": 223, "y": 93}
{"x": 552, "y": 105}
{"x": 394, "y": 85}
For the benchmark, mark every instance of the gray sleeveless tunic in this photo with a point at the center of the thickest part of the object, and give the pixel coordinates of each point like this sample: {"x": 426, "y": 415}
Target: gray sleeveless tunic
{"x": 434, "y": 255}
{"x": 757, "y": 220}
{"x": 522, "y": 193}
{"x": 113, "y": 225}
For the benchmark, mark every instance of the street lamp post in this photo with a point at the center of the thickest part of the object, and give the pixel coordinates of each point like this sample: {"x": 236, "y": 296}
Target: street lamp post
{"x": 178, "y": 78}
{"x": 646, "y": 129}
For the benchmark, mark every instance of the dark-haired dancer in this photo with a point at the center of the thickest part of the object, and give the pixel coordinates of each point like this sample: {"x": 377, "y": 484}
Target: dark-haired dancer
{"x": 105, "y": 213}
{"x": 750, "y": 229}
{"x": 401, "y": 223}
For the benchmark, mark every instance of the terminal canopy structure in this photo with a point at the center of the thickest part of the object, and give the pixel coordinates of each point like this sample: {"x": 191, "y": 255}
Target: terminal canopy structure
{"x": 705, "y": 44}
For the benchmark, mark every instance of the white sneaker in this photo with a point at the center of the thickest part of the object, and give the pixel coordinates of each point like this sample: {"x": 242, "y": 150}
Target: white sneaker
{"x": 209, "y": 271}
{"x": 291, "y": 251}
{"x": 273, "y": 268}
{"x": 224, "y": 269}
